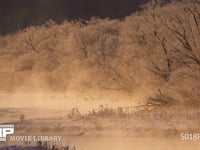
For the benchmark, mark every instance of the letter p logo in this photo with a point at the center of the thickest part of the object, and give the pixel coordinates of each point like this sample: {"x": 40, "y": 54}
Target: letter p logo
{"x": 5, "y": 130}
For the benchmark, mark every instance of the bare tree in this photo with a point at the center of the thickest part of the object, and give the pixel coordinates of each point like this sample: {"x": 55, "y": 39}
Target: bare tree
{"x": 174, "y": 42}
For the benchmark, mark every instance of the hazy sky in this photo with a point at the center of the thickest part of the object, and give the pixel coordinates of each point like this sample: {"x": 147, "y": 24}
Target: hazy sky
{"x": 17, "y": 14}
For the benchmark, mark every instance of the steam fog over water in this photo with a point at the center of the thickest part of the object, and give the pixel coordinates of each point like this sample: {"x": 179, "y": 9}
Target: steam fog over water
{"x": 62, "y": 101}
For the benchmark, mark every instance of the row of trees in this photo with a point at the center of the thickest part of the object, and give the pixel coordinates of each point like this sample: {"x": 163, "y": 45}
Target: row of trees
{"x": 156, "y": 51}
